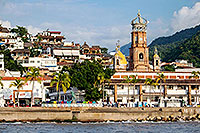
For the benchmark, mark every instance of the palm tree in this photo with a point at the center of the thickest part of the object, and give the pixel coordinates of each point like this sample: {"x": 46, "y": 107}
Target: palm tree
{"x": 19, "y": 84}
{"x": 101, "y": 78}
{"x": 195, "y": 75}
{"x": 160, "y": 77}
{"x": 62, "y": 80}
{"x": 1, "y": 84}
{"x": 127, "y": 80}
{"x": 134, "y": 80}
{"x": 33, "y": 75}
{"x": 149, "y": 82}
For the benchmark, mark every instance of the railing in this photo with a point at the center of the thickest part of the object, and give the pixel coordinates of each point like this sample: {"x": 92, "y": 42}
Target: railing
{"x": 64, "y": 105}
{"x": 182, "y": 92}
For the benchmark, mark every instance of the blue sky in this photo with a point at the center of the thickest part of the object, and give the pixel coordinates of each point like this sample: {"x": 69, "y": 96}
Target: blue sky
{"x": 100, "y": 22}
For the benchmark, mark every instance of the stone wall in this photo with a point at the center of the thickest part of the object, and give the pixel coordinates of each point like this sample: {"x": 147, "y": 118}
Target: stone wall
{"x": 97, "y": 114}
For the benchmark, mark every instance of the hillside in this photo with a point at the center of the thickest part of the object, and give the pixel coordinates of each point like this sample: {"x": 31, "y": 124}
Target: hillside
{"x": 188, "y": 50}
{"x": 169, "y": 47}
{"x": 125, "y": 49}
{"x": 178, "y": 36}
{"x": 167, "y": 44}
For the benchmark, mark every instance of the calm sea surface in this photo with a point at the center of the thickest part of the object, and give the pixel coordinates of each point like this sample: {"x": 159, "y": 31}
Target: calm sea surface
{"x": 126, "y": 127}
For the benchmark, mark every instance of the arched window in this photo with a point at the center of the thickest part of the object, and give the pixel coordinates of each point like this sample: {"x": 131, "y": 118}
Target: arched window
{"x": 156, "y": 62}
{"x": 117, "y": 61}
{"x": 141, "y": 56}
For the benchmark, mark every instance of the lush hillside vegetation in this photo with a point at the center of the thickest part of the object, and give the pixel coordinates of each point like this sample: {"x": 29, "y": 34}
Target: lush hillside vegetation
{"x": 167, "y": 44}
{"x": 178, "y": 36}
{"x": 188, "y": 50}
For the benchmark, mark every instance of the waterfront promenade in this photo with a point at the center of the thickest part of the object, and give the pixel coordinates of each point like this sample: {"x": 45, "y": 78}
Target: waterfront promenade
{"x": 97, "y": 114}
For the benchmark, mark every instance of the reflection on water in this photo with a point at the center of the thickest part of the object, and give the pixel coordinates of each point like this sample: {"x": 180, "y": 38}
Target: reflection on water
{"x": 107, "y": 127}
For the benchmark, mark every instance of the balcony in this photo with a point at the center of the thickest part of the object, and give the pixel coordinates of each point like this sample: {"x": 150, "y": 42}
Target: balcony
{"x": 177, "y": 92}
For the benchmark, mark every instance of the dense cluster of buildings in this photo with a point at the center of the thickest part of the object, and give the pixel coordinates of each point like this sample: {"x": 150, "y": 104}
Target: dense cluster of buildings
{"x": 49, "y": 52}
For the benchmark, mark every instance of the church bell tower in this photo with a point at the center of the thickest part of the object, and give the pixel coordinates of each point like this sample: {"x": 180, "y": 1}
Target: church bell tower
{"x": 139, "y": 52}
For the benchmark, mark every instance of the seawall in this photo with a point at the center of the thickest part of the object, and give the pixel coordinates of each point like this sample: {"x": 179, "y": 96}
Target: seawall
{"x": 93, "y": 114}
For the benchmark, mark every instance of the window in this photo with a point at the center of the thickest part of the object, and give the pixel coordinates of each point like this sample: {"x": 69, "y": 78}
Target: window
{"x": 119, "y": 100}
{"x": 32, "y": 61}
{"x": 141, "y": 57}
{"x": 38, "y": 61}
{"x": 156, "y": 98}
{"x": 117, "y": 61}
{"x": 156, "y": 62}
{"x": 136, "y": 39}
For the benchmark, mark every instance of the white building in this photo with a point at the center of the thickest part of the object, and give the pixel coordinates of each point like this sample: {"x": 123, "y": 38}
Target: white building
{"x": 10, "y": 93}
{"x": 10, "y": 39}
{"x": 41, "y": 62}
{"x": 178, "y": 87}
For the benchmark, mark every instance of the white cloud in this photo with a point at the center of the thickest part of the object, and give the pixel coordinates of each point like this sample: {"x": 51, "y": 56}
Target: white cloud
{"x": 6, "y": 24}
{"x": 186, "y": 17}
{"x": 103, "y": 36}
{"x": 33, "y": 30}
{"x": 157, "y": 28}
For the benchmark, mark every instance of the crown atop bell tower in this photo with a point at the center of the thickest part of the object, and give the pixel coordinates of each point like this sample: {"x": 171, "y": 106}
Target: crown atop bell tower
{"x": 139, "y": 23}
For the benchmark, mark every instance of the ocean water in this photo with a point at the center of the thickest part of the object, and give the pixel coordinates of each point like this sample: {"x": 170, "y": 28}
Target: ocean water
{"x": 107, "y": 127}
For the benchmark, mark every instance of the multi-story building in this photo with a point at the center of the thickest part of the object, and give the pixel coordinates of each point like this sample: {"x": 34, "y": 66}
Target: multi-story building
{"x": 67, "y": 54}
{"x": 10, "y": 93}
{"x": 47, "y": 62}
{"x": 50, "y": 37}
{"x": 10, "y": 40}
{"x": 20, "y": 54}
{"x": 91, "y": 52}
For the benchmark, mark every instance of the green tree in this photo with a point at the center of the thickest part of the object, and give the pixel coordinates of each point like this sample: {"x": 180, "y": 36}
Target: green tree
{"x": 33, "y": 75}
{"x": 151, "y": 83}
{"x": 19, "y": 84}
{"x": 84, "y": 76}
{"x": 160, "y": 78}
{"x": 1, "y": 84}
{"x": 127, "y": 80}
{"x": 62, "y": 81}
{"x": 134, "y": 80}
{"x": 169, "y": 68}
{"x": 10, "y": 63}
{"x": 21, "y": 32}
{"x": 131, "y": 79}
{"x": 101, "y": 78}
{"x": 104, "y": 50}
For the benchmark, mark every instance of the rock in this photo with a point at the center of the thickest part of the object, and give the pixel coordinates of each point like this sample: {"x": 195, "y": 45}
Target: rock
{"x": 173, "y": 119}
{"x": 198, "y": 116}
{"x": 193, "y": 117}
{"x": 139, "y": 119}
{"x": 171, "y": 116}
{"x": 168, "y": 119}
{"x": 164, "y": 119}
{"x": 159, "y": 118}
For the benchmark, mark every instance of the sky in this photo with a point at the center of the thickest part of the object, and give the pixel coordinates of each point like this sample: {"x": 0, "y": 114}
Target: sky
{"x": 100, "y": 22}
